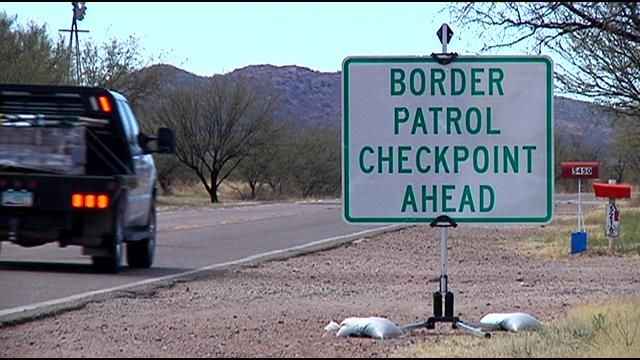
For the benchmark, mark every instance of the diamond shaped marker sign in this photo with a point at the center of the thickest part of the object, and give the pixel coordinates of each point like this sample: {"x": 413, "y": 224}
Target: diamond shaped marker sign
{"x": 445, "y": 32}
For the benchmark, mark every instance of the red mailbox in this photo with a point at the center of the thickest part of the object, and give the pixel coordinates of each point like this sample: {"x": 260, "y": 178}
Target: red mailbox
{"x": 580, "y": 169}
{"x": 612, "y": 191}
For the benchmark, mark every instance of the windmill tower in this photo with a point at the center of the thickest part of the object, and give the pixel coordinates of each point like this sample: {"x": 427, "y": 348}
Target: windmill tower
{"x": 75, "y": 64}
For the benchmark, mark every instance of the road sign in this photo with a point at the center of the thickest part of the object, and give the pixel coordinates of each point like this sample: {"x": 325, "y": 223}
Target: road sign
{"x": 444, "y": 34}
{"x": 472, "y": 139}
{"x": 580, "y": 169}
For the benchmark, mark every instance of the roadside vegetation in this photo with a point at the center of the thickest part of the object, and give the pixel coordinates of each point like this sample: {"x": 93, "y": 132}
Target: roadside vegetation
{"x": 600, "y": 330}
{"x": 554, "y": 241}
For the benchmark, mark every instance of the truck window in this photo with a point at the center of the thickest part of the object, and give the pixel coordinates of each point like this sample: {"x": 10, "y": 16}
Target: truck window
{"x": 130, "y": 126}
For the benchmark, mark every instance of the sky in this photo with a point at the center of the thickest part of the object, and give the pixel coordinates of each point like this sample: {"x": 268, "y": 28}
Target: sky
{"x": 214, "y": 38}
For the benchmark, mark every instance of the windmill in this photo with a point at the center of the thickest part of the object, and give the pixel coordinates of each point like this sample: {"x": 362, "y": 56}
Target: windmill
{"x": 79, "y": 12}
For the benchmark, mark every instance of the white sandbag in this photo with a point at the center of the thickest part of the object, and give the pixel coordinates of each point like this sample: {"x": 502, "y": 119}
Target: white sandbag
{"x": 493, "y": 321}
{"x": 510, "y": 321}
{"x": 332, "y": 327}
{"x": 521, "y": 322}
{"x": 374, "y": 327}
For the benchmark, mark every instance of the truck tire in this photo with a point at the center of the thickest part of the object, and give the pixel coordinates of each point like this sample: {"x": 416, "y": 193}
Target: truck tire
{"x": 113, "y": 263}
{"x": 140, "y": 254}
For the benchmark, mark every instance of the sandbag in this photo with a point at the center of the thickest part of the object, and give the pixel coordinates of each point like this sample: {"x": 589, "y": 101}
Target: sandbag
{"x": 510, "y": 322}
{"x": 374, "y": 327}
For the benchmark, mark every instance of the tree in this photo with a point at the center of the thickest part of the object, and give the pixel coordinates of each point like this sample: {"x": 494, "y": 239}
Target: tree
{"x": 598, "y": 42}
{"x": 119, "y": 65}
{"x": 626, "y": 160}
{"x": 217, "y": 126}
{"x": 316, "y": 165}
{"x": 29, "y": 56}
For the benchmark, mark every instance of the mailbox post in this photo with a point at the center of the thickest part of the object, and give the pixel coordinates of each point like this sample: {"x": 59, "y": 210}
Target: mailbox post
{"x": 612, "y": 191}
{"x": 580, "y": 170}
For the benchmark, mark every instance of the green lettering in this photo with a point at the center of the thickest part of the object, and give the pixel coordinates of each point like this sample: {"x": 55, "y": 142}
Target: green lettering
{"x": 454, "y": 115}
{"x": 457, "y": 73}
{"x": 490, "y": 129}
{"x": 467, "y": 200}
{"x": 422, "y": 169}
{"x": 475, "y": 80}
{"x": 437, "y": 80}
{"x": 495, "y": 78}
{"x": 511, "y": 158}
{"x": 418, "y": 121}
{"x": 388, "y": 159}
{"x": 397, "y": 119}
{"x": 491, "y": 198}
{"x": 478, "y": 125}
{"x": 436, "y": 119}
{"x": 457, "y": 157}
{"x": 397, "y": 82}
{"x": 362, "y": 166}
{"x": 441, "y": 159}
{"x": 529, "y": 149}
{"x": 481, "y": 169}
{"x": 433, "y": 198}
{"x": 409, "y": 199}
{"x": 412, "y": 81}
{"x": 446, "y": 189}
{"x": 402, "y": 158}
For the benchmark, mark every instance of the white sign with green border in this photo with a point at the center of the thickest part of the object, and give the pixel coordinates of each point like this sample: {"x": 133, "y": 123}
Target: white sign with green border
{"x": 472, "y": 139}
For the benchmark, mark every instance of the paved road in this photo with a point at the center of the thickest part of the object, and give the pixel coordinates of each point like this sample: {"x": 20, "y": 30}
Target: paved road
{"x": 187, "y": 240}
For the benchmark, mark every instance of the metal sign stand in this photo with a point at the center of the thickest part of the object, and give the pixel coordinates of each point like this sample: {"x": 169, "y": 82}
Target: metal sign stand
{"x": 444, "y": 222}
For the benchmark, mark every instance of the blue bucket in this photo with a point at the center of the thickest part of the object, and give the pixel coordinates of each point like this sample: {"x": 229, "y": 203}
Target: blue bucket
{"x": 578, "y": 242}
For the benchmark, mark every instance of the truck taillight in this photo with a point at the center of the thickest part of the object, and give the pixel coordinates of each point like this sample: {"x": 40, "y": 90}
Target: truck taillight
{"x": 90, "y": 201}
{"x": 105, "y": 104}
{"x": 103, "y": 201}
{"x": 77, "y": 201}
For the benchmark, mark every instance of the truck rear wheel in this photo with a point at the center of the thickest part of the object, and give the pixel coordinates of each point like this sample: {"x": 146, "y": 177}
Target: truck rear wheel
{"x": 140, "y": 254}
{"x": 112, "y": 263}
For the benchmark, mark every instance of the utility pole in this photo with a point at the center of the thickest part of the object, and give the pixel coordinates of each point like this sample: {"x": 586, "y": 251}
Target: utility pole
{"x": 79, "y": 12}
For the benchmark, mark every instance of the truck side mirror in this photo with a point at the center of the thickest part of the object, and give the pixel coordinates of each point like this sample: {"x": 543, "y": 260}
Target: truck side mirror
{"x": 166, "y": 141}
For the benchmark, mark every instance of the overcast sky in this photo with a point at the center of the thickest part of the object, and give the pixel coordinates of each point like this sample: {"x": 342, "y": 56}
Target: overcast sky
{"x": 212, "y": 38}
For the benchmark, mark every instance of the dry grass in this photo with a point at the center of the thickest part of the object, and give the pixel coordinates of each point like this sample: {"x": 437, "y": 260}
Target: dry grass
{"x": 195, "y": 195}
{"x": 602, "y": 330}
{"x": 554, "y": 240}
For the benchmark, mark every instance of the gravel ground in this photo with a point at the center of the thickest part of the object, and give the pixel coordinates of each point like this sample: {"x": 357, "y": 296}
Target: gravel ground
{"x": 279, "y": 309}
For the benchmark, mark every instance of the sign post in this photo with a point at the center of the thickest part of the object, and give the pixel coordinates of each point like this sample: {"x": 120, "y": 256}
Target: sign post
{"x": 447, "y": 139}
{"x": 580, "y": 170}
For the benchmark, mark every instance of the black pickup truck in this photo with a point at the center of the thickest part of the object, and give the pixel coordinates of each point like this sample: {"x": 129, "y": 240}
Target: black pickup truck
{"x": 100, "y": 195}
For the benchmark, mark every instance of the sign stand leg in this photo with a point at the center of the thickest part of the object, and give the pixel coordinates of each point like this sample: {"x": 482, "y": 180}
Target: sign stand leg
{"x": 444, "y": 223}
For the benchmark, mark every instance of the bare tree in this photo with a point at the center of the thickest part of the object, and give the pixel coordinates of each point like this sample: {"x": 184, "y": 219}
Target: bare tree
{"x": 626, "y": 150}
{"x": 119, "y": 65}
{"x": 599, "y": 42}
{"x": 217, "y": 126}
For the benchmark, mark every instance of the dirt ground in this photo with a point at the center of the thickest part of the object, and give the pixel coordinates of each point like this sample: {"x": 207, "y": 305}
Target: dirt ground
{"x": 279, "y": 309}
